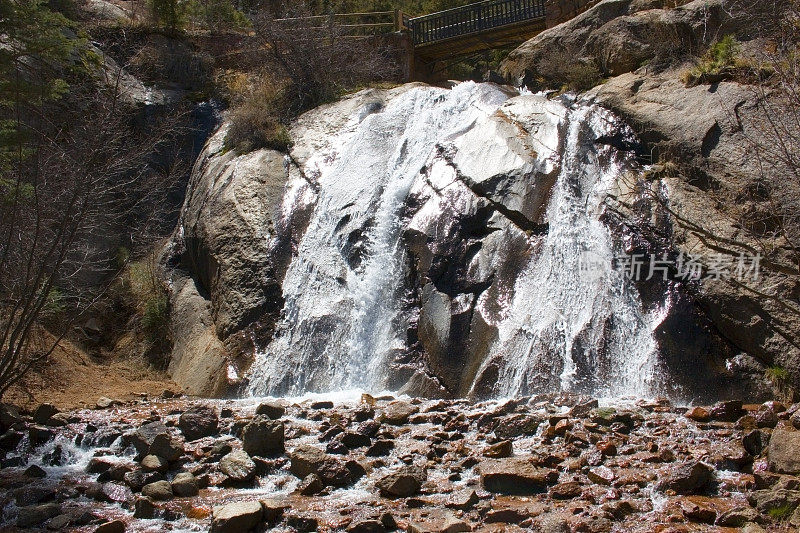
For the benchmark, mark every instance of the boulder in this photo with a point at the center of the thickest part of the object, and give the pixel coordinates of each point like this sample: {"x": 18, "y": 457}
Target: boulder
{"x": 307, "y": 460}
{"x": 397, "y": 412}
{"x": 159, "y": 490}
{"x": 515, "y": 476}
{"x": 784, "y": 451}
{"x": 154, "y": 463}
{"x": 238, "y": 466}
{"x": 143, "y": 437}
{"x": 501, "y": 449}
{"x": 263, "y": 437}
{"x": 272, "y": 409}
{"x": 43, "y": 413}
{"x": 403, "y": 482}
{"x": 686, "y": 478}
{"x": 185, "y": 484}
{"x": 167, "y": 447}
{"x": 199, "y": 421}
{"x": 239, "y": 517}
{"x": 36, "y": 514}
{"x": 112, "y": 526}
{"x": 311, "y": 485}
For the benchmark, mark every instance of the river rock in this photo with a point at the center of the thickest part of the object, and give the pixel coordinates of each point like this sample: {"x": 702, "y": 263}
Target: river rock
{"x": 185, "y": 484}
{"x": 310, "y": 485}
{"x": 515, "y": 476}
{"x": 143, "y": 437}
{"x": 403, "y": 482}
{"x": 784, "y": 451}
{"x": 238, "y": 517}
{"x": 167, "y": 447}
{"x": 307, "y": 460}
{"x": 199, "y": 421}
{"x": 272, "y": 409}
{"x": 144, "y": 508}
{"x": 33, "y": 515}
{"x": 501, "y": 449}
{"x": 159, "y": 490}
{"x": 154, "y": 463}
{"x": 397, "y": 412}
{"x": 238, "y": 466}
{"x": 43, "y": 413}
{"x": 686, "y": 478}
{"x": 263, "y": 437}
{"x": 112, "y": 526}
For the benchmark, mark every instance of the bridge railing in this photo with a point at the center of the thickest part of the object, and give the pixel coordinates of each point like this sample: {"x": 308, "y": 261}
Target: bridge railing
{"x": 472, "y": 18}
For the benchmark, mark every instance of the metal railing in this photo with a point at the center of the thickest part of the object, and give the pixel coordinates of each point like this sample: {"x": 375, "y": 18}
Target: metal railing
{"x": 472, "y": 18}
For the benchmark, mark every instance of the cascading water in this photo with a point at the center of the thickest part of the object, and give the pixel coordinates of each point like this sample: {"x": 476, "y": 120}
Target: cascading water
{"x": 343, "y": 318}
{"x": 575, "y": 322}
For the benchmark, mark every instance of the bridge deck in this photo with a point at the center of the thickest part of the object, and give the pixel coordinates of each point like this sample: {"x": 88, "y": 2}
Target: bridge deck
{"x": 474, "y": 27}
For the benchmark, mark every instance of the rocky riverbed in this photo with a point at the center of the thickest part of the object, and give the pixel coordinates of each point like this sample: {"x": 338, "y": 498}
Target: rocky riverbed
{"x": 547, "y": 463}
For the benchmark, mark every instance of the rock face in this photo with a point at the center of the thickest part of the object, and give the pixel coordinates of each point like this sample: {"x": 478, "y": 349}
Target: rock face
{"x": 408, "y": 232}
{"x": 708, "y": 137}
{"x": 784, "y": 451}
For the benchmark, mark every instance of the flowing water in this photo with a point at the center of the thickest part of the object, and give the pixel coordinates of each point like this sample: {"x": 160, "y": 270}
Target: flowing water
{"x": 344, "y": 318}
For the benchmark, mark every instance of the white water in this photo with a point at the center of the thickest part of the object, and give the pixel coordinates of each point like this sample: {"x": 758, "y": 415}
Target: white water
{"x": 571, "y": 308}
{"x": 344, "y": 318}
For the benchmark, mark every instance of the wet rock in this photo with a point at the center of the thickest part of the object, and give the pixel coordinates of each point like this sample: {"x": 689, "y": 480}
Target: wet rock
{"x": 36, "y": 514}
{"x": 380, "y": 448}
{"x": 33, "y": 494}
{"x": 404, "y": 482}
{"x": 263, "y": 437}
{"x": 601, "y": 475}
{"x": 185, "y": 484}
{"x": 238, "y": 466}
{"x": 698, "y": 414}
{"x": 515, "y": 476}
{"x": 238, "y": 517}
{"x": 501, "y": 449}
{"x": 59, "y": 523}
{"x": 397, "y": 412}
{"x": 310, "y": 485}
{"x": 114, "y": 526}
{"x": 697, "y": 512}
{"x": 337, "y": 447}
{"x": 771, "y": 500}
{"x": 369, "y": 428}
{"x": 273, "y": 509}
{"x": 366, "y": 526}
{"x": 728, "y": 411}
{"x": 357, "y": 471}
{"x": 446, "y": 523}
{"x": 114, "y": 493}
{"x": 323, "y": 404}
{"x": 755, "y": 442}
{"x": 98, "y": 465}
{"x": 353, "y": 439}
{"x": 302, "y": 523}
{"x": 104, "y": 403}
{"x": 566, "y": 490}
{"x": 619, "y": 509}
{"x": 512, "y": 426}
{"x": 737, "y": 517}
{"x": 463, "y": 500}
{"x": 154, "y": 463}
{"x": 271, "y": 409}
{"x": 10, "y": 440}
{"x": 142, "y": 438}
{"x": 43, "y": 413}
{"x": 40, "y": 435}
{"x": 35, "y": 471}
{"x": 198, "y": 421}
{"x": 167, "y": 447}
{"x": 784, "y": 451}
{"x": 144, "y": 508}
{"x": 686, "y": 478}
{"x": 307, "y": 460}
{"x": 159, "y": 490}
{"x": 136, "y": 479}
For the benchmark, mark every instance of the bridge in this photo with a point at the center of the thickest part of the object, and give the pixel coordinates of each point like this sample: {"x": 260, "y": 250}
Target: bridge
{"x": 430, "y": 41}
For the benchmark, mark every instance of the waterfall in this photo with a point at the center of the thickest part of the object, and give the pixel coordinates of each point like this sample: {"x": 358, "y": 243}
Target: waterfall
{"x": 344, "y": 320}
{"x": 575, "y": 321}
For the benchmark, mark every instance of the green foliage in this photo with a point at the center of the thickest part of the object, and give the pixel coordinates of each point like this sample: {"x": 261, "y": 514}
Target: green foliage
{"x": 257, "y": 118}
{"x": 777, "y": 373}
{"x": 150, "y": 300}
{"x": 782, "y": 512}
{"x": 217, "y": 15}
{"x": 171, "y": 15}
{"x": 54, "y": 305}
{"x": 35, "y": 54}
{"x": 717, "y": 64}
